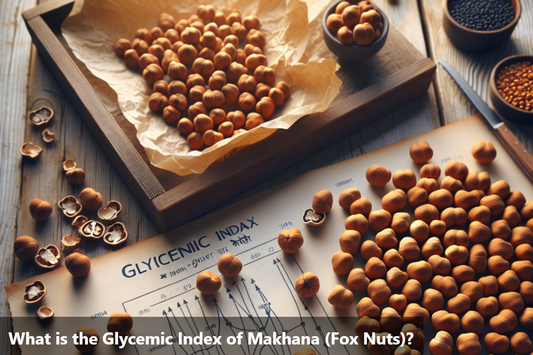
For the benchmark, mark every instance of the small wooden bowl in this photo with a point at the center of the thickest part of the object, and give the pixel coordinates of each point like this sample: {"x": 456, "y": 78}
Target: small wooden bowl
{"x": 502, "y": 107}
{"x": 477, "y": 41}
{"x": 353, "y": 52}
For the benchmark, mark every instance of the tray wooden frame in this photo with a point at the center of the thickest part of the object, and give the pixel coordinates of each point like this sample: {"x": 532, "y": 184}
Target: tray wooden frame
{"x": 170, "y": 208}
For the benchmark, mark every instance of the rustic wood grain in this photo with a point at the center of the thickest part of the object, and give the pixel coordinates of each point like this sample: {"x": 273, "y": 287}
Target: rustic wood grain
{"x": 474, "y": 67}
{"x": 15, "y": 46}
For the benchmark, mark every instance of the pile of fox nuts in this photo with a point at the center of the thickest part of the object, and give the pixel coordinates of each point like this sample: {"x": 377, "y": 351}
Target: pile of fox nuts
{"x": 464, "y": 263}
{"x": 209, "y": 73}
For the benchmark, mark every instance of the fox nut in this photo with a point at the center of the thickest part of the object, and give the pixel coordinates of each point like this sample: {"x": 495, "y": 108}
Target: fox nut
{"x": 441, "y": 344}
{"x": 290, "y": 240}
{"x": 349, "y": 196}
{"x": 496, "y": 343}
{"x": 350, "y": 241}
{"x": 307, "y": 285}
{"x": 484, "y": 152}
{"x": 357, "y": 280}
{"x": 90, "y": 333}
{"x": 340, "y": 297}
{"x": 421, "y": 152}
{"x": 322, "y": 201}
{"x": 26, "y": 248}
{"x": 78, "y": 264}
{"x": 90, "y": 199}
{"x": 39, "y": 209}
{"x": 120, "y": 322}
{"x": 394, "y": 200}
{"x": 229, "y": 265}
{"x": 378, "y": 175}
{"x": 456, "y": 169}
{"x": 342, "y": 262}
{"x": 208, "y": 282}
{"x": 404, "y": 179}
{"x": 468, "y": 344}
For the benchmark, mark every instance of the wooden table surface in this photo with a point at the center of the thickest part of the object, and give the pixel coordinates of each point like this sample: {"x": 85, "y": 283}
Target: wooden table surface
{"x": 26, "y": 83}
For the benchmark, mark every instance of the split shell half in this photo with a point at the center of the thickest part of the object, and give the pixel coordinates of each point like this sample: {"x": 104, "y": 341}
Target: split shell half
{"x": 92, "y": 229}
{"x": 313, "y": 218}
{"x": 45, "y": 312}
{"x": 41, "y": 116}
{"x": 69, "y": 164}
{"x": 70, "y": 242}
{"x": 48, "y": 257}
{"x": 48, "y": 136}
{"x": 31, "y": 150}
{"x": 70, "y": 206}
{"x": 116, "y": 234}
{"x": 79, "y": 220}
{"x": 35, "y": 292}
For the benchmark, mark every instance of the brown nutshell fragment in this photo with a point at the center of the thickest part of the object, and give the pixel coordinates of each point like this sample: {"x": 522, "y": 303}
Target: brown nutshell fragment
{"x": 45, "y": 312}
{"x": 48, "y": 257}
{"x": 31, "y": 150}
{"x": 116, "y": 234}
{"x": 41, "y": 116}
{"x": 34, "y": 292}
{"x": 48, "y": 136}
{"x": 110, "y": 212}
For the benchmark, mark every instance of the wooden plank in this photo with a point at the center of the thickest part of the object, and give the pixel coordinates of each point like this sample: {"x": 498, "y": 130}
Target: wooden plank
{"x": 15, "y": 46}
{"x": 474, "y": 67}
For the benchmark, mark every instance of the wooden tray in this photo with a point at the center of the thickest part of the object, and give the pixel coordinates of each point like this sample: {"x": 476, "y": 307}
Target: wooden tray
{"x": 395, "y": 76}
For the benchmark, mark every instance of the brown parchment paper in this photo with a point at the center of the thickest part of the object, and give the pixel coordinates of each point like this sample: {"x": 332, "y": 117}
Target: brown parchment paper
{"x": 292, "y": 50}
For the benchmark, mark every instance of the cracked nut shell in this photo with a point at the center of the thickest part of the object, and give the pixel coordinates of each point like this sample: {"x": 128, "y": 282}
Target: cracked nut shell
{"x": 34, "y": 292}
{"x": 41, "y": 116}
{"x": 31, "y": 150}
{"x": 92, "y": 229}
{"x": 313, "y": 218}
{"x": 26, "y": 248}
{"x": 48, "y": 257}
{"x": 116, "y": 234}
{"x": 45, "y": 312}
{"x": 70, "y": 206}
{"x": 110, "y": 212}
{"x": 48, "y": 136}
{"x": 78, "y": 264}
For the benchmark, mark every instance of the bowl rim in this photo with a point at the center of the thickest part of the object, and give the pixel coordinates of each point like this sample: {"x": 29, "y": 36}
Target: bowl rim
{"x": 517, "y": 14}
{"x": 331, "y": 9}
{"x": 492, "y": 80}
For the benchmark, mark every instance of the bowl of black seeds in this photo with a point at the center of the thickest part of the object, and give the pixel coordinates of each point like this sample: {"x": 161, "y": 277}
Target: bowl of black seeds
{"x": 480, "y": 25}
